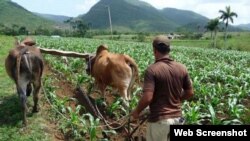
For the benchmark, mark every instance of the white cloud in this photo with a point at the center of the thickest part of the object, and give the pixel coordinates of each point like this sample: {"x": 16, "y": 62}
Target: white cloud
{"x": 171, "y": 3}
{"x": 85, "y": 6}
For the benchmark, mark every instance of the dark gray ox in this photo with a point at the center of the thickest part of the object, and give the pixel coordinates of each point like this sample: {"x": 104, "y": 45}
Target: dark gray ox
{"x": 24, "y": 65}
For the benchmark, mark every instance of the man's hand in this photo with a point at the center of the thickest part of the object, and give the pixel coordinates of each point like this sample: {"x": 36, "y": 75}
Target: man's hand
{"x": 143, "y": 103}
{"x": 135, "y": 114}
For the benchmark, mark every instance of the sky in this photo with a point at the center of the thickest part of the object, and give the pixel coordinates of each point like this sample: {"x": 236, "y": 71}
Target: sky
{"x": 207, "y": 8}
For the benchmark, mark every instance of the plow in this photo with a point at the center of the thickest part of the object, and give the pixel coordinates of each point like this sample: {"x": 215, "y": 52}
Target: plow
{"x": 125, "y": 123}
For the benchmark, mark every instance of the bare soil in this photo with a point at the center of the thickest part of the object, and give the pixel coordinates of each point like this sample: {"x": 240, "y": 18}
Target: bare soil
{"x": 246, "y": 103}
{"x": 51, "y": 126}
{"x": 66, "y": 89}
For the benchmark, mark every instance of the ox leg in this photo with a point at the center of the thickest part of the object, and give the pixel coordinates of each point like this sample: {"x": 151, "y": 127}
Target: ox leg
{"x": 124, "y": 94}
{"x": 102, "y": 89}
{"x": 23, "y": 99}
{"x": 37, "y": 86}
{"x": 125, "y": 99}
{"x": 29, "y": 89}
{"x": 21, "y": 89}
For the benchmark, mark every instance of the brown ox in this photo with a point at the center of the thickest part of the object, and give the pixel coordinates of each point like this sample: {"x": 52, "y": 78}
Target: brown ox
{"x": 24, "y": 65}
{"x": 116, "y": 70}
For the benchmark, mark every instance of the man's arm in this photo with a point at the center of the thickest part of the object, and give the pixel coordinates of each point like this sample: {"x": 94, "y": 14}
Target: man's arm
{"x": 143, "y": 103}
{"x": 187, "y": 91}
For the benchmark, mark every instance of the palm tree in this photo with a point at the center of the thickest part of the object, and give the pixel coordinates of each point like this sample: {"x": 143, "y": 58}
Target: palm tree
{"x": 227, "y": 16}
{"x": 213, "y": 26}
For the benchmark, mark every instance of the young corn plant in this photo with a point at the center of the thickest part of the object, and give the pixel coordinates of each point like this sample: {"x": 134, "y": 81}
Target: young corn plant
{"x": 214, "y": 119}
{"x": 191, "y": 112}
{"x": 235, "y": 110}
{"x": 74, "y": 125}
{"x": 112, "y": 109}
{"x": 135, "y": 98}
{"x": 92, "y": 126}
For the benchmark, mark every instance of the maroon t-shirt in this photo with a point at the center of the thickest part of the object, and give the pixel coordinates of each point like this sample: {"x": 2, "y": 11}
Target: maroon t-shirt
{"x": 166, "y": 79}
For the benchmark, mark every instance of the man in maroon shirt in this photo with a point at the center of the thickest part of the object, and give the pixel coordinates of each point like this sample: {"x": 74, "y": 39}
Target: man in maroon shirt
{"x": 166, "y": 85}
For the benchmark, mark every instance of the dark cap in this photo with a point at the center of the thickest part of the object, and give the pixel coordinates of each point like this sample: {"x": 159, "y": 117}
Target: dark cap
{"x": 161, "y": 39}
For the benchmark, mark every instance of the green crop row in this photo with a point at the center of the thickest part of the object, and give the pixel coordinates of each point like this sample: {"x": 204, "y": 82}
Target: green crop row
{"x": 221, "y": 78}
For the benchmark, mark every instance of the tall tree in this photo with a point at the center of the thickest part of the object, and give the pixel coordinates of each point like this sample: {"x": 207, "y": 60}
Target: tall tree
{"x": 79, "y": 27}
{"x": 213, "y": 26}
{"x": 23, "y": 31}
{"x": 227, "y": 16}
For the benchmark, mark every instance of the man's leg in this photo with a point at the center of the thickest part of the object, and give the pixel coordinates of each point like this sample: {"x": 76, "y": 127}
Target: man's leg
{"x": 159, "y": 131}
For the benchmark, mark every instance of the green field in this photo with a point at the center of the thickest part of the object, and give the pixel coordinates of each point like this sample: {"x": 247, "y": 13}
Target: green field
{"x": 221, "y": 80}
{"x": 236, "y": 40}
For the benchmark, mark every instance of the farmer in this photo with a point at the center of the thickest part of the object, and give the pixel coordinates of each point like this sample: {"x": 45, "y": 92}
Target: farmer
{"x": 166, "y": 85}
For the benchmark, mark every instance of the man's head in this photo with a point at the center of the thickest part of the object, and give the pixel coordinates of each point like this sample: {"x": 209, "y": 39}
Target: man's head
{"x": 161, "y": 44}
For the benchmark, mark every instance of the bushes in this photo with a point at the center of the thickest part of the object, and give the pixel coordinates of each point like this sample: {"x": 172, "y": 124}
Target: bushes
{"x": 193, "y": 36}
{"x": 141, "y": 37}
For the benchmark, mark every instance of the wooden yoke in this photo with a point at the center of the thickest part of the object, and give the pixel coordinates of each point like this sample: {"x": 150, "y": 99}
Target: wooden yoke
{"x": 65, "y": 53}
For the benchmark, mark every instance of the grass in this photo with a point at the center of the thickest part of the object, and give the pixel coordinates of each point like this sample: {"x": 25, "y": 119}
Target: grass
{"x": 11, "y": 128}
{"x": 236, "y": 41}
{"x": 239, "y": 41}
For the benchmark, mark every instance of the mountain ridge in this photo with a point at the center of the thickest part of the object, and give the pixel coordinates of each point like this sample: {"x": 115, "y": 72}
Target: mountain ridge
{"x": 244, "y": 26}
{"x": 140, "y": 16}
{"x": 24, "y": 18}
{"x": 126, "y": 15}
{"x": 52, "y": 17}
{"x": 121, "y": 15}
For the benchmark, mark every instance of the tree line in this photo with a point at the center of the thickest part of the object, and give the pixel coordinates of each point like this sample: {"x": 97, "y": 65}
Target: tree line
{"x": 78, "y": 29}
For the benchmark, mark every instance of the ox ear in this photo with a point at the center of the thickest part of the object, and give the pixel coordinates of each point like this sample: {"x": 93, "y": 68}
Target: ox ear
{"x": 101, "y": 48}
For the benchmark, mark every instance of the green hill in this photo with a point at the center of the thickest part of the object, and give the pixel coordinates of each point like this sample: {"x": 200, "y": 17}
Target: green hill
{"x": 126, "y": 15}
{"x": 130, "y": 15}
{"x": 56, "y": 18}
{"x": 135, "y": 15}
{"x": 138, "y": 16}
{"x": 244, "y": 26}
{"x": 183, "y": 17}
{"x": 12, "y": 14}
{"x": 187, "y": 20}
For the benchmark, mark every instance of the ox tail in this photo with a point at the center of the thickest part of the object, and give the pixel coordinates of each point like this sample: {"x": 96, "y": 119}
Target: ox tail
{"x": 18, "y": 63}
{"x": 135, "y": 73}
